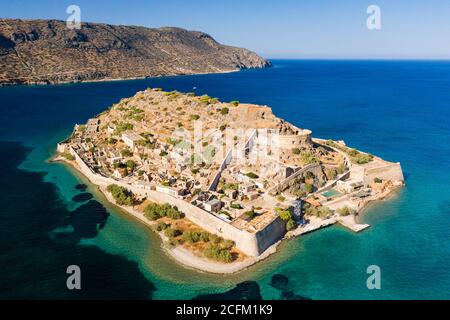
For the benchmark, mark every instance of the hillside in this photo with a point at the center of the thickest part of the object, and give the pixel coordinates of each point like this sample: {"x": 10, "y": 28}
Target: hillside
{"x": 46, "y": 51}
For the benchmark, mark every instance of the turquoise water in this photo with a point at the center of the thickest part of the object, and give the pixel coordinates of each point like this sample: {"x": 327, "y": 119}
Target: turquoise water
{"x": 331, "y": 193}
{"x": 397, "y": 110}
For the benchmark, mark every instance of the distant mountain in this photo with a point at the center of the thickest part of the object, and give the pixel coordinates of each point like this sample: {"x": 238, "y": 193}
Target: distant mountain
{"x": 46, "y": 51}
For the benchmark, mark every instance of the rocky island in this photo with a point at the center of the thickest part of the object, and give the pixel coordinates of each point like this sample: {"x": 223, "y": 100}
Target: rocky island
{"x": 223, "y": 182}
{"x": 46, "y": 52}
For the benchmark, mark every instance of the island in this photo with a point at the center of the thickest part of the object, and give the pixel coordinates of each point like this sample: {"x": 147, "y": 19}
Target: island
{"x": 223, "y": 183}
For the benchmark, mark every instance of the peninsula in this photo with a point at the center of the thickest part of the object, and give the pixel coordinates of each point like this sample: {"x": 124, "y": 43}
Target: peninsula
{"x": 223, "y": 182}
{"x": 47, "y": 52}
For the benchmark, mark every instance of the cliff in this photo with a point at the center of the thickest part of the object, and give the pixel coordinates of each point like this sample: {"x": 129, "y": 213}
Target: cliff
{"x": 46, "y": 51}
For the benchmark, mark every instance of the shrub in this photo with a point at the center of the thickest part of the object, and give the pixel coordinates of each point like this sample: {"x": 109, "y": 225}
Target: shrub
{"x": 308, "y": 187}
{"x": 377, "y": 180}
{"x": 160, "y": 226}
{"x": 131, "y": 164}
{"x": 191, "y": 236}
{"x": 172, "y": 233}
{"x": 224, "y": 111}
{"x": 285, "y": 215}
{"x": 68, "y": 156}
{"x": 234, "y": 103}
{"x": 126, "y": 153}
{"x": 345, "y": 211}
{"x": 217, "y": 253}
{"x": 331, "y": 173}
{"x": 252, "y": 175}
{"x": 291, "y": 224}
{"x": 215, "y": 239}
{"x": 195, "y": 117}
{"x": 296, "y": 151}
{"x": 235, "y": 206}
{"x": 123, "y": 126}
{"x": 154, "y": 211}
{"x": 223, "y": 127}
{"x": 307, "y": 157}
{"x": 121, "y": 195}
{"x": 228, "y": 244}
{"x": 250, "y": 214}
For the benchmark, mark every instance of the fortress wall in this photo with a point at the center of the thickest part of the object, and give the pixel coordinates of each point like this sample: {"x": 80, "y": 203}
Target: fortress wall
{"x": 292, "y": 141}
{"x": 272, "y": 233}
{"x": 390, "y": 171}
{"x": 245, "y": 241}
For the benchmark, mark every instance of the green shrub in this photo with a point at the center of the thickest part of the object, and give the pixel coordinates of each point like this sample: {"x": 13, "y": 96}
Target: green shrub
{"x": 284, "y": 215}
{"x": 217, "y": 253}
{"x": 234, "y": 103}
{"x": 296, "y": 150}
{"x": 308, "y": 157}
{"x": 345, "y": 211}
{"x": 377, "y": 180}
{"x": 224, "y": 111}
{"x": 122, "y": 196}
{"x": 171, "y": 232}
{"x": 195, "y": 117}
{"x": 291, "y": 224}
{"x": 68, "y": 156}
{"x": 160, "y": 226}
{"x": 126, "y": 153}
{"x": 154, "y": 211}
{"x": 252, "y": 175}
{"x": 308, "y": 187}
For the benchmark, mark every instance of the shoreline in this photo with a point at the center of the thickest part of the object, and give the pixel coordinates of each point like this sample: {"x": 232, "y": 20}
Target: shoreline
{"x": 47, "y": 83}
{"x": 189, "y": 260}
{"x": 180, "y": 255}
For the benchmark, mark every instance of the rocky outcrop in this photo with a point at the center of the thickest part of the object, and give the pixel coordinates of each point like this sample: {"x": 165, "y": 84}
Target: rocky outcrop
{"x": 46, "y": 51}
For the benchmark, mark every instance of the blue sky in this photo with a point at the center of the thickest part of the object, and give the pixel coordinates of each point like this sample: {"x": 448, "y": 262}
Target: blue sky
{"x": 277, "y": 28}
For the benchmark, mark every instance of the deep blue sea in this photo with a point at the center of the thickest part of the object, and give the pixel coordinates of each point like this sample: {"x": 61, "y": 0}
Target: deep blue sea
{"x": 399, "y": 110}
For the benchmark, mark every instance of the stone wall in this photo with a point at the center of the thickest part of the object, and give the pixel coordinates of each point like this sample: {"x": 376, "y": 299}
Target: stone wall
{"x": 252, "y": 244}
{"x": 389, "y": 171}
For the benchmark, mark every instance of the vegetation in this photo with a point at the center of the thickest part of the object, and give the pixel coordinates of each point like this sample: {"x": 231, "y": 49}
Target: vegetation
{"x": 308, "y": 187}
{"x": 171, "y": 232}
{"x": 126, "y": 153}
{"x": 234, "y": 103}
{"x": 250, "y": 214}
{"x": 122, "y": 196}
{"x": 320, "y": 212}
{"x": 296, "y": 150}
{"x": 252, "y": 175}
{"x": 123, "y": 126}
{"x": 235, "y": 206}
{"x": 308, "y": 157}
{"x": 196, "y": 236}
{"x": 195, "y": 117}
{"x": 68, "y": 156}
{"x": 154, "y": 211}
{"x": 291, "y": 225}
{"x": 215, "y": 252}
{"x": 286, "y": 216}
{"x": 345, "y": 211}
{"x": 131, "y": 165}
{"x": 377, "y": 180}
{"x": 224, "y": 111}
{"x": 160, "y": 226}
{"x": 331, "y": 173}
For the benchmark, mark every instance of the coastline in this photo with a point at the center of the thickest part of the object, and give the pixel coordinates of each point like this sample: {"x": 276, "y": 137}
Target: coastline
{"x": 192, "y": 261}
{"x": 179, "y": 255}
{"x": 47, "y": 83}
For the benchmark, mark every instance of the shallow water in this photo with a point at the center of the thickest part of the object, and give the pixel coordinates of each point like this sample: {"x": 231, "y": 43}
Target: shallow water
{"x": 397, "y": 110}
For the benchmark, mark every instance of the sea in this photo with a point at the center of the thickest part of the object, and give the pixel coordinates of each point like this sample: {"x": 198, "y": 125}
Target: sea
{"x": 52, "y": 218}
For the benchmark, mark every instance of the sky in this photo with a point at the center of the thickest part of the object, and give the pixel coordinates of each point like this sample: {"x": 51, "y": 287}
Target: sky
{"x": 410, "y": 29}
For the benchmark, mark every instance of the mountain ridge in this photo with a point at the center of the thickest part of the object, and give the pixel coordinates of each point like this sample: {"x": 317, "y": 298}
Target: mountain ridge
{"x": 47, "y": 52}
